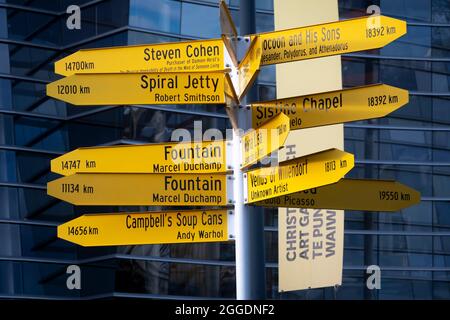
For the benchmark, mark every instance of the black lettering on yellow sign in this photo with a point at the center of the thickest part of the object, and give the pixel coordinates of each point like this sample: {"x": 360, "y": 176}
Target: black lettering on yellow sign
{"x": 294, "y": 170}
{"x": 281, "y": 48}
{"x": 182, "y": 219}
{"x": 191, "y": 51}
{"x": 282, "y": 128}
{"x": 309, "y": 104}
{"x": 187, "y": 166}
{"x": 200, "y": 97}
{"x": 179, "y": 152}
{"x": 211, "y": 219}
{"x": 185, "y": 220}
{"x": 202, "y": 234}
{"x": 322, "y": 104}
{"x": 70, "y": 164}
{"x": 150, "y": 221}
{"x": 171, "y": 82}
{"x": 195, "y": 184}
{"x": 251, "y": 141}
{"x": 264, "y": 113}
{"x": 79, "y": 65}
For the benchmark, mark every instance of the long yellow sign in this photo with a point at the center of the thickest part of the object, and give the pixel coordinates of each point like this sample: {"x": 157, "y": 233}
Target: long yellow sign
{"x": 116, "y": 229}
{"x": 190, "y": 56}
{"x": 329, "y": 39}
{"x": 143, "y": 189}
{"x": 256, "y": 144}
{"x": 175, "y": 157}
{"x": 298, "y": 174}
{"x": 333, "y": 107}
{"x": 351, "y": 194}
{"x": 136, "y": 88}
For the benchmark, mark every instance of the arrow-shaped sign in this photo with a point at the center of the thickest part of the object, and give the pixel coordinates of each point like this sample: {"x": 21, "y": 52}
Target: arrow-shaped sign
{"x": 298, "y": 174}
{"x": 229, "y": 31}
{"x": 256, "y": 144}
{"x": 332, "y": 107}
{"x": 136, "y": 88}
{"x": 329, "y": 39}
{"x": 189, "y": 56}
{"x": 350, "y": 194}
{"x": 249, "y": 67}
{"x": 146, "y": 189}
{"x": 175, "y": 157}
{"x": 116, "y": 229}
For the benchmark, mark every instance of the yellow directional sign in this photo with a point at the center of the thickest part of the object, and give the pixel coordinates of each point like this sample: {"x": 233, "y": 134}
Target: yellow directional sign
{"x": 231, "y": 97}
{"x": 190, "y": 56}
{"x": 256, "y": 144}
{"x": 137, "y": 88}
{"x": 229, "y": 31}
{"x": 350, "y": 194}
{"x": 329, "y": 39}
{"x": 146, "y": 189}
{"x": 175, "y": 157}
{"x": 333, "y": 107}
{"x": 249, "y": 67}
{"x": 298, "y": 174}
{"x": 116, "y": 229}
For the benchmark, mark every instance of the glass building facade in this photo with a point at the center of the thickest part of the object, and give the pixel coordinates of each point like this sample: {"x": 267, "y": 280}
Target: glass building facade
{"x": 412, "y": 146}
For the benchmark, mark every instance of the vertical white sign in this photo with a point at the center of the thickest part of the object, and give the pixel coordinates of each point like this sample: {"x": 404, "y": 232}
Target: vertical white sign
{"x": 311, "y": 241}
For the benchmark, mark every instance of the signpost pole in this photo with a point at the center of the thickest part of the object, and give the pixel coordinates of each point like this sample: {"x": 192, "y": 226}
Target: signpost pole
{"x": 249, "y": 223}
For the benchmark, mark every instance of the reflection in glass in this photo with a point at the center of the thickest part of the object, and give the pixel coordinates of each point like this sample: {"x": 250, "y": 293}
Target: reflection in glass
{"x": 156, "y": 15}
{"x": 200, "y": 21}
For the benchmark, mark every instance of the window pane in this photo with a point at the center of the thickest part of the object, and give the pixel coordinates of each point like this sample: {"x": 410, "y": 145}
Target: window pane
{"x": 200, "y": 21}
{"x": 156, "y": 15}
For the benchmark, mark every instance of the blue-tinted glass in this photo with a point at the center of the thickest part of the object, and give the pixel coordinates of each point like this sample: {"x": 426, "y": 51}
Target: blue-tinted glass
{"x": 264, "y": 22}
{"x": 267, "y": 74}
{"x": 31, "y": 26}
{"x": 266, "y": 92}
{"x": 411, "y": 10}
{"x": 259, "y": 4}
{"x": 406, "y": 74}
{"x": 440, "y": 11}
{"x": 135, "y": 37}
{"x": 156, "y": 15}
{"x": 390, "y": 144}
{"x": 200, "y": 21}
{"x": 354, "y": 8}
{"x": 415, "y": 43}
{"x": 441, "y": 181}
{"x": 418, "y": 217}
{"x": 405, "y": 285}
{"x": 441, "y": 217}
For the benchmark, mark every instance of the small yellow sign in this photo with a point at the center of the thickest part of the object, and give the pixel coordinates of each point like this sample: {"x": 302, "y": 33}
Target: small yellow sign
{"x": 329, "y": 39}
{"x": 256, "y": 144}
{"x": 136, "y": 88}
{"x": 231, "y": 97}
{"x": 249, "y": 67}
{"x": 333, "y": 107}
{"x": 143, "y": 189}
{"x": 350, "y": 194}
{"x": 189, "y": 56}
{"x": 175, "y": 157}
{"x": 118, "y": 229}
{"x": 298, "y": 174}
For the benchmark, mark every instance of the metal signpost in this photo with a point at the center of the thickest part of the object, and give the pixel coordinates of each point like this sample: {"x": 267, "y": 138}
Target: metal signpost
{"x": 226, "y": 175}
